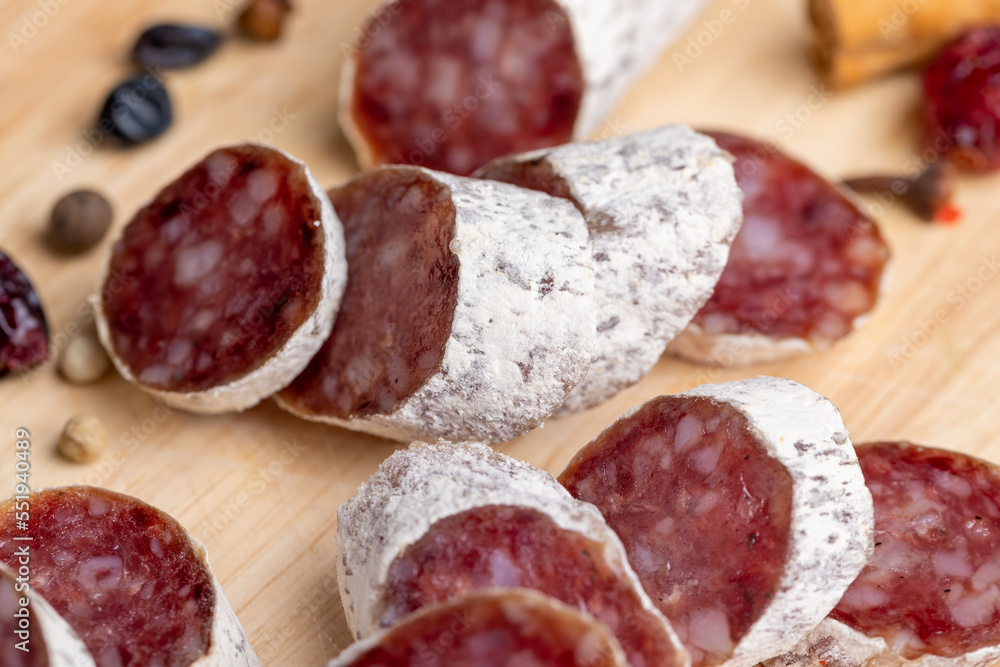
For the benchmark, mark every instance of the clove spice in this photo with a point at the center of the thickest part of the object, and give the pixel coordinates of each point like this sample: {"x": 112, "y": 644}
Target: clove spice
{"x": 928, "y": 194}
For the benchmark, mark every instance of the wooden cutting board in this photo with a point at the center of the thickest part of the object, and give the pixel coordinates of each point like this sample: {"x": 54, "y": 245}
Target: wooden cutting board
{"x": 261, "y": 489}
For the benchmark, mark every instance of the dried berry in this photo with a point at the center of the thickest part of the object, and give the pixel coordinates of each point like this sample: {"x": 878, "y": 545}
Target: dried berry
{"x": 79, "y": 221}
{"x": 83, "y": 439}
{"x": 84, "y": 360}
{"x": 961, "y": 93}
{"x": 24, "y": 334}
{"x": 263, "y": 19}
{"x": 137, "y": 110}
{"x": 175, "y": 46}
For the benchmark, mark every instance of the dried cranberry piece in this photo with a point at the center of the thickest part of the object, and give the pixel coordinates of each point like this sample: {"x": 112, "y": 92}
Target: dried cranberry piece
{"x": 962, "y": 98}
{"x": 24, "y": 335}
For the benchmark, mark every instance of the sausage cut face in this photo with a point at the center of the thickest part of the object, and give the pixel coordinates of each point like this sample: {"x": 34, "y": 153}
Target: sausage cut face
{"x": 507, "y": 546}
{"x": 703, "y": 511}
{"x": 452, "y": 84}
{"x": 933, "y": 586}
{"x": 807, "y": 262}
{"x": 37, "y": 654}
{"x": 498, "y": 628}
{"x": 212, "y": 278}
{"x": 121, "y": 573}
{"x": 402, "y": 288}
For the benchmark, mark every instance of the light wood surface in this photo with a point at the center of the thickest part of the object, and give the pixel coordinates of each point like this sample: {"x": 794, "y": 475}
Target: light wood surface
{"x": 261, "y": 489}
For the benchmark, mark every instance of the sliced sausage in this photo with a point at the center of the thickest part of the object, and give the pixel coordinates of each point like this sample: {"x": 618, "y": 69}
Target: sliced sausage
{"x": 453, "y": 84}
{"x": 662, "y": 208}
{"x": 468, "y": 311}
{"x": 126, "y": 577}
{"x": 220, "y": 290}
{"x": 930, "y": 597}
{"x": 438, "y": 521}
{"x": 805, "y": 270}
{"x": 32, "y": 634}
{"x": 742, "y": 509}
{"x": 498, "y": 628}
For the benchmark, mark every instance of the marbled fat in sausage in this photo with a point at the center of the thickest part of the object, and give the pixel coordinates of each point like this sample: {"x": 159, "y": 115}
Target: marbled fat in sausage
{"x": 32, "y": 634}
{"x": 220, "y": 290}
{"x": 32, "y": 651}
{"x": 127, "y": 578}
{"x": 446, "y": 82}
{"x": 806, "y": 268}
{"x": 503, "y": 545}
{"x": 498, "y": 628}
{"x": 741, "y": 507}
{"x": 931, "y": 594}
{"x": 402, "y": 279}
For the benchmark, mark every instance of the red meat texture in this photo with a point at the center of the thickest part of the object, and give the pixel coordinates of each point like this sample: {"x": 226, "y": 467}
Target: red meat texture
{"x": 703, "y": 511}
{"x": 121, "y": 573}
{"x": 211, "y": 279}
{"x": 12, "y": 646}
{"x": 807, "y": 262}
{"x": 402, "y": 288}
{"x": 933, "y": 585}
{"x": 453, "y": 84}
{"x": 505, "y": 546}
{"x": 500, "y": 630}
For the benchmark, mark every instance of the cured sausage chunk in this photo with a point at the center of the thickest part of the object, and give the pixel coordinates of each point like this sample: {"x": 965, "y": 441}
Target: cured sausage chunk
{"x": 453, "y": 84}
{"x": 662, "y": 208}
{"x": 501, "y": 545}
{"x": 931, "y": 593}
{"x": 32, "y": 634}
{"x": 436, "y": 522}
{"x": 127, "y": 578}
{"x": 403, "y": 274}
{"x": 741, "y": 507}
{"x": 805, "y": 270}
{"x": 499, "y": 628}
{"x": 468, "y": 311}
{"x": 24, "y": 334}
{"x": 222, "y": 288}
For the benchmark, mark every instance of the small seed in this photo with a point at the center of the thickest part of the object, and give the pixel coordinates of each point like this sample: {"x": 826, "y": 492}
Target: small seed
{"x": 137, "y": 110}
{"x": 83, "y": 439}
{"x": 84, "y": 360}
{"x": 263, "y": 19}
{"x": 79, "y": 221}
{"x": 174, "y": 46}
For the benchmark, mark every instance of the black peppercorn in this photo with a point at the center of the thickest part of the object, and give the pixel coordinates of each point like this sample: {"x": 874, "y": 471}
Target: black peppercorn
{"x": 79, "y": 221}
